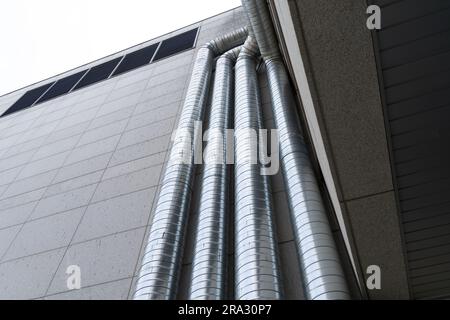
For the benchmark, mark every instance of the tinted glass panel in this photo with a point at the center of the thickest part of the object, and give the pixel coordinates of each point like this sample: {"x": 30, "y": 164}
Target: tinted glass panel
{"x": 176, "y": 44}
{"x": 98, "y": 73}
{"x": 62, "y": 86}
{"x": 136, "y": 59}
{"x": 27, "y": 99}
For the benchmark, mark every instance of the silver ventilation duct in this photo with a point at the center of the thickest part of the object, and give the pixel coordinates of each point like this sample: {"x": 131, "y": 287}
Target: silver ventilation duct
{"x": 257, "y": 271}
{"x": 161, "y": 263}
{"x": 209, "y": 257}
{"x": 322, "y": 272}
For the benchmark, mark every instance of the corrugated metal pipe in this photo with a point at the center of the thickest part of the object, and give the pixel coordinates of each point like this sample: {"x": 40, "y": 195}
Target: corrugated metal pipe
{"x": 161, "y": 263}
{"x": 257, "y": 271}
{"x": 322, "y": 272}
{"x": 208, "y": 274}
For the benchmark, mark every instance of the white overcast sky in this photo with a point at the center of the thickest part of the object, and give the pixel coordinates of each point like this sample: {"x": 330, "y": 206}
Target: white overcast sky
{"x": 41, "y": 38}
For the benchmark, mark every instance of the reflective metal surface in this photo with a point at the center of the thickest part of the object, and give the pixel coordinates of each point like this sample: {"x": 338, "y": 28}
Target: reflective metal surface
{"x": 161, "y": 264}
{"x": 322, "y": 272}
{"x": 321, "y": 268}
{"x": 257, "y": 271}
{"x": 209, "y": 257}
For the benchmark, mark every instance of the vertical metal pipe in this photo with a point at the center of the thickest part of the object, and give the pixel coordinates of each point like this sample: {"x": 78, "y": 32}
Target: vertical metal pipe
{"x": 257, "y": 272}
{"x": 161, "y": 264}
{"x": 209, "y": 257}
{"x": 162, "y": 258}
{"x": 322, "y": 271}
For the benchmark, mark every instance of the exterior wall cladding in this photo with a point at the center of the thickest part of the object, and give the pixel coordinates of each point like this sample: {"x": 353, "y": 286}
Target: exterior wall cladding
{"x": 79, "y": 176}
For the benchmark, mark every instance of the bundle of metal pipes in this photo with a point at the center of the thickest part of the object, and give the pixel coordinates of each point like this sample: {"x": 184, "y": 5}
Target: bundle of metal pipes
{"x": 256, "y": 265}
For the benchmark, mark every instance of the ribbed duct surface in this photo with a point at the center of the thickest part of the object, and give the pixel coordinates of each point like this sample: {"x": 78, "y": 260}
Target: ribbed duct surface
{"x": 257, "y": 272}
{"x": 161, "y": 263}
{"x": 226, "y": 42}
{"x": 261, "y": 28}
{"x": 322, "y": 272}
{"x": 209, "y": 257}
{"x": 319, "y": 259}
